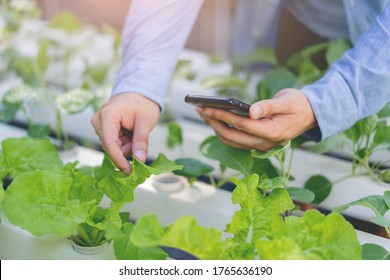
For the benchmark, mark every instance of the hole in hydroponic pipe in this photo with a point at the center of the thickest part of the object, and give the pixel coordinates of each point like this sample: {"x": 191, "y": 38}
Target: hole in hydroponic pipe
{"x": 178, "y": 254}
{"x": 6, "y": 182}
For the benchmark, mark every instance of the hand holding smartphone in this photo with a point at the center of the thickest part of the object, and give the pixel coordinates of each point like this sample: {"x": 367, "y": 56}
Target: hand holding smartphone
{"x": 231, "y": 104}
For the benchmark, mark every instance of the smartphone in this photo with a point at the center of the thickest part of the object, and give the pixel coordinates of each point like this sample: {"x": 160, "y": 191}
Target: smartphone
{"x": 231, "y": 104}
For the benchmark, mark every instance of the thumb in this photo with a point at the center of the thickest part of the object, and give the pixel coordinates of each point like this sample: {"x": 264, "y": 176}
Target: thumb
{"x": 280, "y": 104}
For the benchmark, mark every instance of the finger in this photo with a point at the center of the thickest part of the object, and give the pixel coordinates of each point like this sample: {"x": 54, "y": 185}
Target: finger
{"x": 244, "y": 124}
{"x": 111, "y": 143}
{"x": 270, "y": 107}
{"x": 96, "y": 125}
{"x": 141, "y": 138}
{"x": 237, "y": 138}
{"x": 125, "y": 145}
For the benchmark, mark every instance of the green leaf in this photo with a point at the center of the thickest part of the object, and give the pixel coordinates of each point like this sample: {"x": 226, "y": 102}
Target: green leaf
{"x": 276, "y": 151}
{"x": 299, "y": 141}
{"x": 184, "y": 70}
{"x": 163, "y": 165}
{"x": 262, "y": 55}
{"x": 38, "y": 130}
{"x": 308, "y": 72}
{"x": 124, "y": 249}
{"x": 66, "y": 21}
{"x": 381, "y": 221}
{"x": 120, "y": 188}
{"x": 192, "y": 167}
{"x": 355, "y": 132}
{"x": 175, "y": 134}
{"x": 102, "y": 219}
{"x": 313, "y": 49}
{"x": 382, "y": 134}
{"x": 47, "y": 208}
{"x": 215, "y": 58}
{"x": 264, "y": 167}
{"x": 385, "y": 175}
{"x": 3, "y": 167}
{"x": 372, "y": 251}
{"x": 23, "y": 94}
{"x": 274, "y": 183}
{"x": 42, "y": 58}
{"x": 334, "y": 143}
{"x": 8, "y": 111}
{"x": 369, "y": 124}
{"x": 30, "y": 154}
{"x": 74, "y": 101}
{"x": 276, "y": 80}
{"x": 224, "y": 81}
{"x": 97, "y": 72}
{"x": 83, "y": 186}
{"x": 237, "y": 159}
{"x": 147, "y": 232}
{"x": 386, "y": 197}
{"x": 385, "y": 112}
{"x": 253, "y": 220}
{"x": 301, "y": 194}
{"x": 1, "y": 191}
{"x": 24, "y": 68}
{"x": 336, "y": 49}
{"x": 320, "y": 186}
{"x": 313, "y": 236}
{"x": 375, "y": 202}
{"x": 187, "y": 235}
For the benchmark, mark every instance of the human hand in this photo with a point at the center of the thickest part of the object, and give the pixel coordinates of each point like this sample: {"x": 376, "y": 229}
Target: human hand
{"x": 271, "y": 122}
{"x": 123, "y": 125}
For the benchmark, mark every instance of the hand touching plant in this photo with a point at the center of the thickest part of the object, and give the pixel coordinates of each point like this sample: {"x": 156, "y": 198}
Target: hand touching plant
{"x": 123, "y": 125}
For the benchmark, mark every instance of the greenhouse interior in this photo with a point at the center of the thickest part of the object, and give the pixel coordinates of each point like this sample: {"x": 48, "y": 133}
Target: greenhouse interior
{"x": 203, "y": 192}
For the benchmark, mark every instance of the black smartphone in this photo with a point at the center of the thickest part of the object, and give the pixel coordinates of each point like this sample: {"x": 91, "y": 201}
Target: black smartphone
{"x": 234, "y": 105}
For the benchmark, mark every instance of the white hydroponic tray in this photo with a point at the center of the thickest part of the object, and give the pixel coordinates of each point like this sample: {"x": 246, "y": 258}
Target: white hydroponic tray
{"x": 212, "y": 208}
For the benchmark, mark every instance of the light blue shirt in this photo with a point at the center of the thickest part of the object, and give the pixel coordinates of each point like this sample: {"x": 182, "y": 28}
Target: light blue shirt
{"x": 356, "y": 86}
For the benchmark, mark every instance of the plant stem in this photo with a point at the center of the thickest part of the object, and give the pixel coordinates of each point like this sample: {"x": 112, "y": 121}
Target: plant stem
{"x": 342, "y": 179}
{"x": 290, "y": 164}
{"x": 84, "y": 236}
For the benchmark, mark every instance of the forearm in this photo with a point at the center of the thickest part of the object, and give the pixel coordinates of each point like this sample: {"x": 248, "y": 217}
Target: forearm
{"x": 154, "y": 34}
{"x": 357, "y": 85}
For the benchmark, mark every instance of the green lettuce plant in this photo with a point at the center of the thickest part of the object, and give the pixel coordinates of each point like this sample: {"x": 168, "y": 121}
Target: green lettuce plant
{"x": 257, "y": 231}
{"x": 47, "y": 197}
{"x": 247, "y": 162}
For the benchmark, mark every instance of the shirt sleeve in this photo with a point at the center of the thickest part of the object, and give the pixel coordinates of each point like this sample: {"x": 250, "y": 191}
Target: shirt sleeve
{"x": 357, "y": 85}
{"x": 153, "y": 36}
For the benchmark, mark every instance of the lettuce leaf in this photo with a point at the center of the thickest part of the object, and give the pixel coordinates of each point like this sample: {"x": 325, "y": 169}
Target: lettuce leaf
{"x": 1, "y": 191}
{"x": 39, "y": 202}
{"x": 184, "y": 234}
{"x": 3, "y": 168}
{"x": 119, "y": 187}
{"x": 204, "y": 243}
{"x": 314, "y": 236}
{"x": 84, "y": 187}
{"x": 252, "y": 221}
{"x": 29, "y": 154}
{"x": 125, "y": 249}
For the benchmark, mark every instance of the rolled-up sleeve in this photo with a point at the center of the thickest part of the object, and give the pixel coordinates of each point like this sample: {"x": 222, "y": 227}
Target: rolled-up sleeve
{"x": 355, "y": 86}
{"x": 153, "y": 36}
